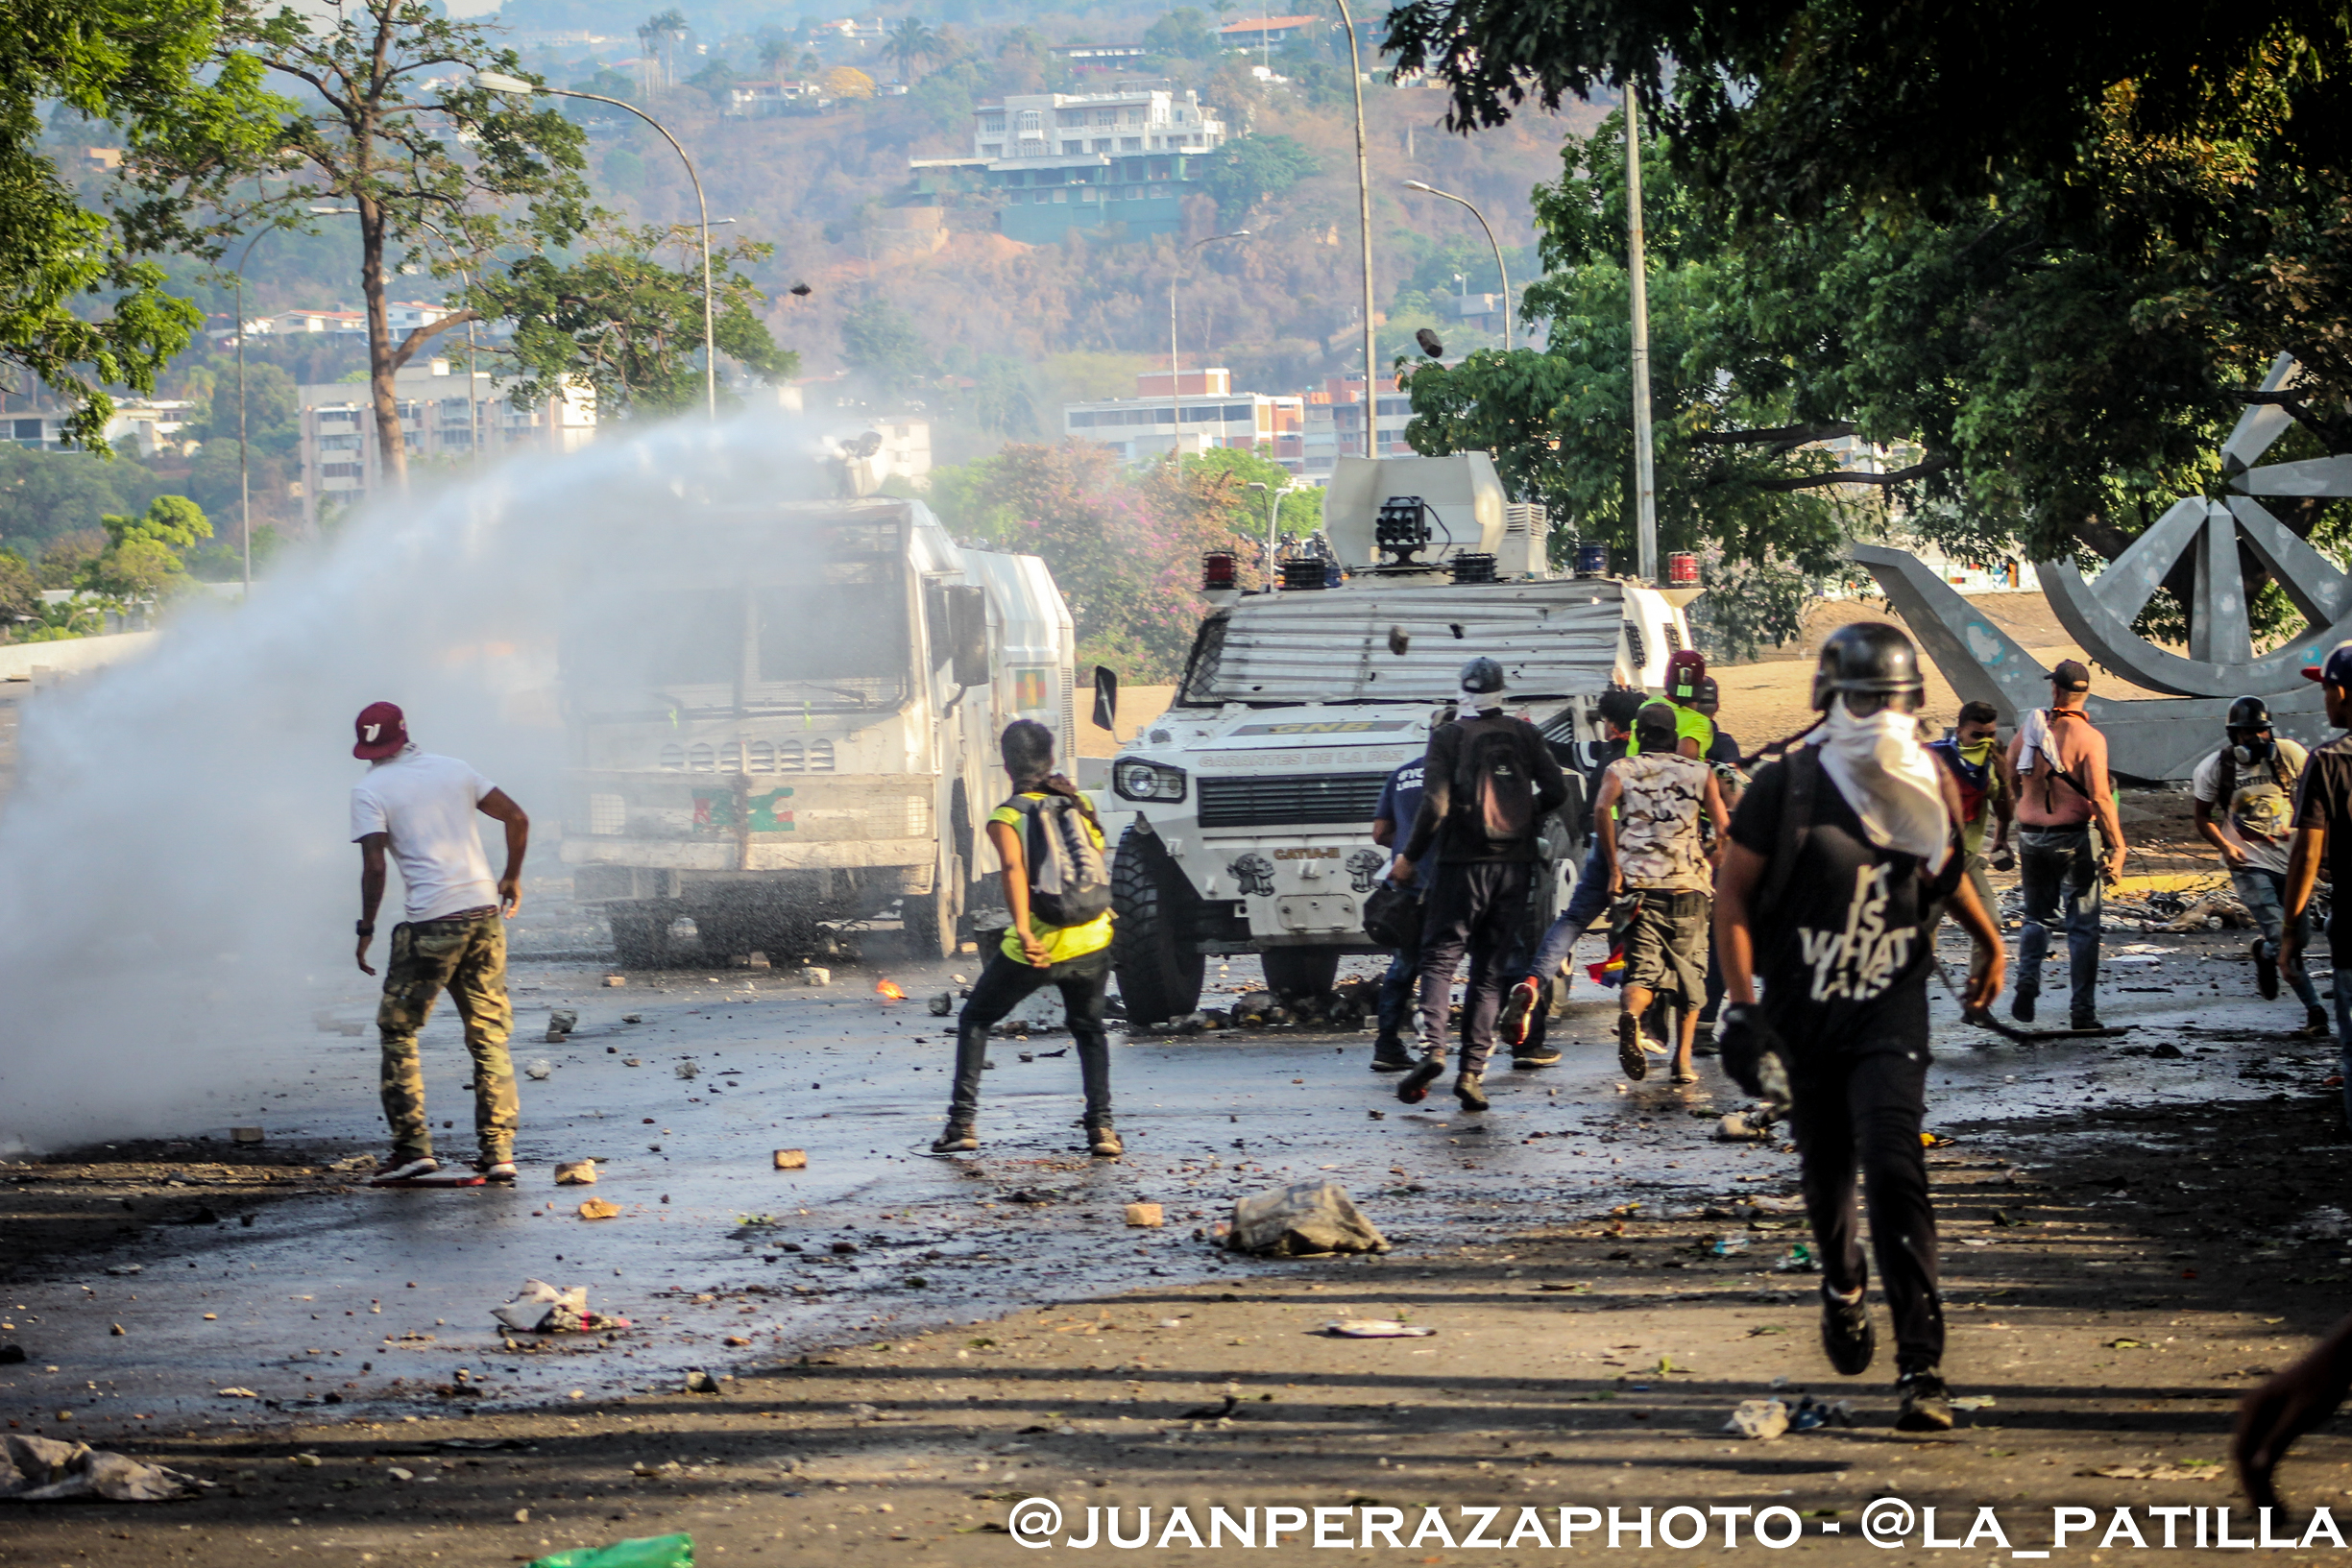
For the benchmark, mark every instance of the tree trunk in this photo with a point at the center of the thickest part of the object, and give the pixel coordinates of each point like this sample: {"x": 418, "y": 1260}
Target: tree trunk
{"x": 391, "y": 442}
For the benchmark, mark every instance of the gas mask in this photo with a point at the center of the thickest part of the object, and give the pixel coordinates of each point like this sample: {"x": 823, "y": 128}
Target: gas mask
{"x": 2252, "y": 746}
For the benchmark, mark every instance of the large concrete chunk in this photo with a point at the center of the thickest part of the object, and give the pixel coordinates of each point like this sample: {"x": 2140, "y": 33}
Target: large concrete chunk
{"x": 1301, "y": 1220}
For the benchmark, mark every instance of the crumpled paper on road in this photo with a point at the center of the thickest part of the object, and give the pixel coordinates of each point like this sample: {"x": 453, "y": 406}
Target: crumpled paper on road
{"x": 543, "y": 1309}
{"x": 1300, "y": 1220}
{"x": 45, "y": 1470}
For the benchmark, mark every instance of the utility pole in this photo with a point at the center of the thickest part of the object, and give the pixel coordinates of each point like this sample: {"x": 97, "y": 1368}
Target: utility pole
{"x": 1363, "y": 222}
{"x": 1645, "y": 473}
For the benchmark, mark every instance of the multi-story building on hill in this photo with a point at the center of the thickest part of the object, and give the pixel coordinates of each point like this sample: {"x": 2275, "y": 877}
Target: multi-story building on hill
{"x": 1213, "y": 415}
{"x": 445, "y": 415}
{"x": 1123, "y": 159}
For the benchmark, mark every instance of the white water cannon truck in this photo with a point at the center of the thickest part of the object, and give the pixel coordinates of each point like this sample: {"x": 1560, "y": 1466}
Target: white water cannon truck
{"x": 788, "y": 724}
{"x": 1251, "y": 797}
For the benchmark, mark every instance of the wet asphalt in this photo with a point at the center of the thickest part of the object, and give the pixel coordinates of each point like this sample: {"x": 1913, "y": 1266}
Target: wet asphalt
{"x": 374, "y": 1301}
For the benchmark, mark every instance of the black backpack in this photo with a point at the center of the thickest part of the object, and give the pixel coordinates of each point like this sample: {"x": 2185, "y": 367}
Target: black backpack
{"x": 1069, "y": 885}
{"x": 1493, "y": 782}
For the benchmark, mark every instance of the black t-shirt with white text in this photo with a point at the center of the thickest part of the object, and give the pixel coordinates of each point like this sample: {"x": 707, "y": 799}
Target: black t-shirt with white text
{"x": 1841, "y": 954}
{"x": 2323, "y": 799}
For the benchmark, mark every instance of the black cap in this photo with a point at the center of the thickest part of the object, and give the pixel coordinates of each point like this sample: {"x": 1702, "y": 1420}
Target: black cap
{"x": 2070, "y": 675}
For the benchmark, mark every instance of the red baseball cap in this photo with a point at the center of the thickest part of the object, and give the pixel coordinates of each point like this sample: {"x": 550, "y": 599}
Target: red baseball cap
{"x": 383, "y": 730}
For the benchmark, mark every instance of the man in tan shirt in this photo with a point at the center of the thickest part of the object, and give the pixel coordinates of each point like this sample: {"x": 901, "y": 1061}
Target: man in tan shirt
{"x": 2062, "y": 791}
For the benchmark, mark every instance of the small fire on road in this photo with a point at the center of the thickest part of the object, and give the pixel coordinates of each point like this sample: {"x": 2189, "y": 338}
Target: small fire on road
{"x": 889, "y": 991}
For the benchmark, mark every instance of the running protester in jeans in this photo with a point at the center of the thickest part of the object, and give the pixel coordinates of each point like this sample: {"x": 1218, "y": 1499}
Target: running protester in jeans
{"x": 2253, "y": 780}
{"x": 2323, "y": 826}
{"x": 1648, "y": 814}
{"x": 1827, "y": 894}
{"x": 420, "y": 808}
{"x": 1074, "y": 959}
{"x": 2062, "y": 791}
{"x": 1490, "y": 783}
{"x": 1589, "y": 901}
{"x": 1400, "y": 803}
{"x": 1988, "y": 793}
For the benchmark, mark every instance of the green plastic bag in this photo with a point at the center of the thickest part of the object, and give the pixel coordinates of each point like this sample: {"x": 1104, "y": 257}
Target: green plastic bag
{"x": 647, "y": 1551}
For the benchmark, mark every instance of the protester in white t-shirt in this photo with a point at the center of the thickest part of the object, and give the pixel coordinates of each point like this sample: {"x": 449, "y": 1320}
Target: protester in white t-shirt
{"x": 2250, "y": 784}
{"x": 420, "y": 808}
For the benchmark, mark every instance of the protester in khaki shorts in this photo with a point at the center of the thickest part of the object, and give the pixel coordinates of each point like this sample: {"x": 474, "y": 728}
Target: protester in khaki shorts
{"x": 421, "y": 807}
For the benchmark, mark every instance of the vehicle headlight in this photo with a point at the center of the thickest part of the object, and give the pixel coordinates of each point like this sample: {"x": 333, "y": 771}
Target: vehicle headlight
{"x": 1148, "y": 781}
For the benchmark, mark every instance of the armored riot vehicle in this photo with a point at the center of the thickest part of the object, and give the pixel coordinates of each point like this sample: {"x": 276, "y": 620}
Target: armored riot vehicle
{"x": 1252, "y": 795}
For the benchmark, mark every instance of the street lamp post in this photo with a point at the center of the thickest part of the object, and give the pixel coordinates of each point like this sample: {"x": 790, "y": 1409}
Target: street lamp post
{"x": 1363, "y": 220}
{"x": 1176, "y": 395}
{"x": 1274, "y": 509}
{"x": 1645, "y": 473}
{"x": 245, "y": 493}
{"x": 499, "y": 82}
{"x": 1432, "y": 190}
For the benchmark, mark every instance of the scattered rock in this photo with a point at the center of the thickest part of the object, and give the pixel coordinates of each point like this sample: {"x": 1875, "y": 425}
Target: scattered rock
{"x": 689, "y": 1068}
{"x": 699, "y": 1382}
{"x": 625, "y": 1018}
{"x": 596, "y": 1208}
{"x": 576, "y": 1173}
{"x": 1145, "y": 1216}
{"x": 45, "y": 1470}
{"x": 813, "y": 975}
{"x": 792, "y": 1159}
{"x": 616, "y": 979}
{"x": 539, "y": 1071}
{"x": 246, "y": 1135}
{"x": 1302, "y": 1219}
{"x": 1761, "y": 1419}
{"x": 1375, "y": 1328}
{"x": 943, "y": 1004}
{"x": 561, "y": 1021}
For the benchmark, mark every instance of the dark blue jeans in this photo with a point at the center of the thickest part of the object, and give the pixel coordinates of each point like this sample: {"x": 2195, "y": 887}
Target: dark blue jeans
{"x": 1003, "y": 985}
{"x": 2057, "y": 871}
{"x": 1397, "y": 988}
{"x": 1586, "y": 904}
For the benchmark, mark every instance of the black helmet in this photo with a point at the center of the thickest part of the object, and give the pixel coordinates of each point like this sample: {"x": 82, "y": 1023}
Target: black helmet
{"x": 1868, "y": 659}
{"x": 1480, "y": 677}
{"x": 2248, "y": 713}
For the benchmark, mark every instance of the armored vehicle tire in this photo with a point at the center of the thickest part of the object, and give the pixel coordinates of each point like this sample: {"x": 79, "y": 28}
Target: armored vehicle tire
{"x": 641, "y": 936}
{"x": 1158, "y": 967}
{"x": 930, "y": 918}
{"x": 1300, "y": 972}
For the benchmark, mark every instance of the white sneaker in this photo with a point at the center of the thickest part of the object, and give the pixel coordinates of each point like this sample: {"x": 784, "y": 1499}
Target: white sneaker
{"x": 497, "y": 1170}
{"x": 424, "y": 1167}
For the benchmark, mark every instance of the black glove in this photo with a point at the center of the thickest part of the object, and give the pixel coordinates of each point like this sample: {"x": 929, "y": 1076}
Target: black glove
{"x": 1750, "y": 1053}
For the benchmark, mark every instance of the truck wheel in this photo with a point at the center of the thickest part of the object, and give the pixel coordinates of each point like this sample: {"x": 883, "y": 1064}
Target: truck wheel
{"x": 931, "y": 917}
{"x": 1158, "y": 968}
{"x": 641, "y": 936}
{"x": 1300, "y": 972}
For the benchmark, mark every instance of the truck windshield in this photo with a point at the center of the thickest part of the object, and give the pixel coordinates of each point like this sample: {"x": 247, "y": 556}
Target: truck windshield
{"x": 840, "y": 638}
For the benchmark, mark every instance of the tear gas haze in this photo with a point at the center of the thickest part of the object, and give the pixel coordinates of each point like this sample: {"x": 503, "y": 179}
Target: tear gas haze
{"x": 174, "y": 876}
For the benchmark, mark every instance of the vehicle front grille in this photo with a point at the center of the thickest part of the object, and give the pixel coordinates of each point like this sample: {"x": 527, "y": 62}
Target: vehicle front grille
{"x": 1290, "y": 798}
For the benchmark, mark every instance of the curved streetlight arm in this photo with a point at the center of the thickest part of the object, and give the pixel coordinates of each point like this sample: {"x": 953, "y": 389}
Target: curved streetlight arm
{"x": 499, "y": 82}
{"x": 1427, "y": 189}
{"x": 1176, "y": 395}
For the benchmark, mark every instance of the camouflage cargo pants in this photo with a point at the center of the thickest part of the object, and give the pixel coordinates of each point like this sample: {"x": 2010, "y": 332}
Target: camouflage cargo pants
{"x": 465, "y": 956}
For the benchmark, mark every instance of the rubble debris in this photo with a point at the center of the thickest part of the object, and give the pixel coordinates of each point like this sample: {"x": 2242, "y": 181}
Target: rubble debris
{"x": 1811, "y": 1414}
{"x": 1759, "y": 1419}
{"x": 540, "y": 1308}
{"x": 1799, "y": 1260}
{"x": 1375, "y": 1328}
{"x": 1144, "y": 1216}
{"x": 943, "y": 1004}
{"x": 45, "y": 1470}
{"x": 632, "y": 1018}
{"x": 540, "y": 1070}
{"x": 576, "y": 1173}
{"x": 616, "y": 979}
{"x": 689, "y": 1068}
{"x": 1745, "y": 1127}
{"x": 247, "y": 1135}
{"x": 596, "y": 1208}
{"x": 2191, "y": 1470}
{"x": 1303, "y": 1220}
{"x": 561, "y": 1021}
{"x": 813, "y": 975}
{"x": 699, "y": 1382}
{"x": 792, "y": 1159}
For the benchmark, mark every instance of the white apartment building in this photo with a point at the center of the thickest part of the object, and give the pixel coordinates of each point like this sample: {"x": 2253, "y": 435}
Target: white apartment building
{"x": 444, "y": 414}
{"x": 1058, "y": 124}
{"x": 1200, "y": 411}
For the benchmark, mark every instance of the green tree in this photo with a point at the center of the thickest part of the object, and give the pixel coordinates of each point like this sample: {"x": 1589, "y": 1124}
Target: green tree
{"x": 20, "y": 591}
{"x": 1249, "y": 170}
{"x": 909, "y": 41}
{"x": 1182, "y": 34}
{"x": 885, "y": 347}
{"x": 272, "y": 414}
{"x": 44, "y": 496}
{"x": 627, "y": 325}
{"x": 1300, "y": 511}
{"x": 67, "y": 556}
{"x": 143, "y": 554}
{"x": 393, "y": 126}
{"x": 161, "y": 75}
